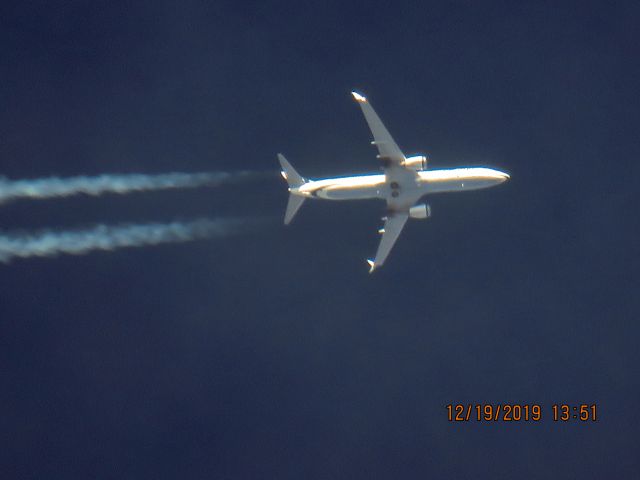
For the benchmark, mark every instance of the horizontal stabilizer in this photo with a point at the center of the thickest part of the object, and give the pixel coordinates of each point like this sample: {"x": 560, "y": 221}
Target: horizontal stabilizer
{"x": 293, "y": 178}
{"x": 293, "y": 205}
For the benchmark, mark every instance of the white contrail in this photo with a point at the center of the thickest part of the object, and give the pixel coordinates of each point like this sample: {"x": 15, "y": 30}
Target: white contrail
{"x": 111, "y": 237}
{"x": 112, "y": 183}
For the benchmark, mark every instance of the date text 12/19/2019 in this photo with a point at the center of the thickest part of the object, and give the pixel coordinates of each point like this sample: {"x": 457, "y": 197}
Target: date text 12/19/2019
{"x": 516, "y": 412}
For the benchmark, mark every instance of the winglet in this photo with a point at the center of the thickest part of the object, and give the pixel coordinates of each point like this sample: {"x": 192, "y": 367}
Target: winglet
{"x": 372, "y": 265}
{"x": 358, "y": 97}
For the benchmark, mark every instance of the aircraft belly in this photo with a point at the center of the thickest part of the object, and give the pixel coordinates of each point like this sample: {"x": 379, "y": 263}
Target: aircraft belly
{"x": 457, "y": 185}
{"x": 350, "y": 193}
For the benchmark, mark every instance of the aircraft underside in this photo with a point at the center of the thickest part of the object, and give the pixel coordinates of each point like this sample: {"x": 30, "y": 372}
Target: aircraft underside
{"x": 404, "y": 182}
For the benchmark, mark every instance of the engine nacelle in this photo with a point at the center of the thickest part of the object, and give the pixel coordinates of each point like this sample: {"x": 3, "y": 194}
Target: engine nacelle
{"x": 417, "y": 163}
{"x": 421, "y": 211}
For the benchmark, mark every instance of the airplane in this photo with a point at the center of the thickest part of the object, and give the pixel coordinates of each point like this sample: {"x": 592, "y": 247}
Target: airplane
{"x": 404, "y": 181}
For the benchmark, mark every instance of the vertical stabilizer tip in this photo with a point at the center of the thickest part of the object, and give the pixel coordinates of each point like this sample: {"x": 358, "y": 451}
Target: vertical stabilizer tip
{"x": 358, "y": 97}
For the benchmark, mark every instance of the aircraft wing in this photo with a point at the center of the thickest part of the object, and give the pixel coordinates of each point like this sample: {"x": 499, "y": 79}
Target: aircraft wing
{"x": 389, "y": 152}
{"x": 391, "y": 231}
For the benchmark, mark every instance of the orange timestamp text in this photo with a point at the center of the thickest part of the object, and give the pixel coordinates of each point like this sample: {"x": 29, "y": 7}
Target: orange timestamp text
{"x": 516, "y": 412}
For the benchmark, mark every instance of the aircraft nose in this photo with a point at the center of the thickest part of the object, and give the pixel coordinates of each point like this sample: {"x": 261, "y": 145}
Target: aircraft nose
{"x": 503, "y": 177}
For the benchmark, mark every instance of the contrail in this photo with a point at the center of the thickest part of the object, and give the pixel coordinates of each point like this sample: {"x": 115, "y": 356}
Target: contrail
{"x": 112, "y": 237}
{"x": 112, "y": 183}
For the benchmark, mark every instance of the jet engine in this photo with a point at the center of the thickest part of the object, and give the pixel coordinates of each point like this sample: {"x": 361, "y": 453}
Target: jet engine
{"x": 417, "y": 163}
{"x": 421, "y": 211}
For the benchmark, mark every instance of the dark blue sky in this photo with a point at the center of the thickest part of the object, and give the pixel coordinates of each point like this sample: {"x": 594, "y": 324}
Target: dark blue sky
{"x": 275, "y": 355}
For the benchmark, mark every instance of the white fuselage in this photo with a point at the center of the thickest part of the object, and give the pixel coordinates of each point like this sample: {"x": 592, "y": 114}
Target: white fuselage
{"x": 376, "y": 186}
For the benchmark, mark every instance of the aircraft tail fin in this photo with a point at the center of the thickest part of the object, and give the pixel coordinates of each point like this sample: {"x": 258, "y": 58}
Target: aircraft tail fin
{"x": 293, "y": 205}
{"x": 293, "y": 178}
